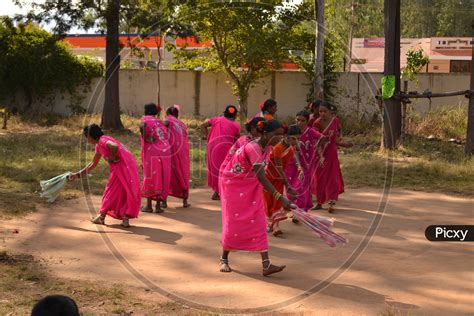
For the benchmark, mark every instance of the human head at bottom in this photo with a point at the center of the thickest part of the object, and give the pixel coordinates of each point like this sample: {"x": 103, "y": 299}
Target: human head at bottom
{"x": 55, "y": 305}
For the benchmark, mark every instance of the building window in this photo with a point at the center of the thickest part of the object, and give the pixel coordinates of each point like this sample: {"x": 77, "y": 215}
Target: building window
{"x": 435, "y": 67}
{"x": 460, "y": 66}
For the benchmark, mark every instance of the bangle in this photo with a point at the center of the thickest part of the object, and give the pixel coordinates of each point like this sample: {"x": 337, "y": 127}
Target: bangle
{"x": 277, "y": 195}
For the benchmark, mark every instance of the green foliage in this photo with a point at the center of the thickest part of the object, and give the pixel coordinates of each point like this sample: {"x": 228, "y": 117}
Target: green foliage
{"x": 248, "y": 43}
{"x": 36, "y": 63}
{"x": 302, "y": 40}
{"x": 416, "y": 60}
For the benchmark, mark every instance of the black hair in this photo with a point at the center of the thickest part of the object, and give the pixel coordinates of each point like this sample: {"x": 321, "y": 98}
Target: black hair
{"x": 316, "y": 103}
{"x": 268, "y": 104}
{"x": 293, "y": 130}
{"x": 227, "y": 112}
{"x": 55, "y": 305}
{"x": 304, "y": 113}
{"x": 94, "y": 131}
{"x": 253, "y": 123}
{"x": 150, "y": 109}
{"x": 268, "y": 126}
{"x": 328, "y": 106}
{"x": 172, "y": 111}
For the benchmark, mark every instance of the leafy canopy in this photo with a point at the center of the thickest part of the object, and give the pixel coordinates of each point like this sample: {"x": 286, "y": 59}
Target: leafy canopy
{"x": 34, "y": 62}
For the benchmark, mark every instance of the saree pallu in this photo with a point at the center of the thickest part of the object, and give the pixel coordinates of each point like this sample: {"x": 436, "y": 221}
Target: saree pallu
{"x": 328, "y": 182}
{"x": 156, "y": 160}
{"x": 243, "y": 209}
{"x": 222, "y": 136}
{"x": 180, "y": 160}
{"x": 273, "y": 207}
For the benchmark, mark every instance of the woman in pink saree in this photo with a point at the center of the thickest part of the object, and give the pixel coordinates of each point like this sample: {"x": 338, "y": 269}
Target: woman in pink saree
{"x": 223, "y": 134}
{"x": 156, "y": 159}
{"x": 328, "y": 182}
{"x": 308, "y": 142}
{"x": 243, "y": 208}
{"x": 251, "y": 128}
{"x": 180, "y": 161}
{"x": 121, "y": 197}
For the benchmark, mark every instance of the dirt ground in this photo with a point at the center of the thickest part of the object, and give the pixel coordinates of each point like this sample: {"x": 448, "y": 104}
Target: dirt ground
{"x": 175, "y": 255}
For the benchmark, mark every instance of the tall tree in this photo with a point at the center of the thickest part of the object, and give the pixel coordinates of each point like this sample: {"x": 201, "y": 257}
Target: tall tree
{"x": 247, "y": 43}
{"x": 103, "y": 14}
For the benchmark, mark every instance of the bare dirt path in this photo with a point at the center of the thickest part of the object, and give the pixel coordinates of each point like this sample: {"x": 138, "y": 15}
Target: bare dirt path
{"x": 177, "y": 252}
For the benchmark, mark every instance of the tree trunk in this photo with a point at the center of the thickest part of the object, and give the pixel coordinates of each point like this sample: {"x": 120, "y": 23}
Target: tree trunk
{"x": 319, "y": 49}
{"x": 469, "y": 149}
{"x": 347, "y": 67}
{"x": 243, "y": 104}
{"x": 392, "y": 107}
{"x": 111, "y": 113}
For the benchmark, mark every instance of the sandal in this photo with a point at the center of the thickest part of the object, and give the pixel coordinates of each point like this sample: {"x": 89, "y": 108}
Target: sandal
{"x": 224, "y": 265}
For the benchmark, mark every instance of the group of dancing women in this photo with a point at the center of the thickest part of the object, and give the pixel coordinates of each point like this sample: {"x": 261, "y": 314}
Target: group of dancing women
{"x": 258, "y": 178}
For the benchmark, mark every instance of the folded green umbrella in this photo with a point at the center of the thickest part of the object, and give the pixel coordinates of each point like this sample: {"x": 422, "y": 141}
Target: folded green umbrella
{"x": 50, "y": 188}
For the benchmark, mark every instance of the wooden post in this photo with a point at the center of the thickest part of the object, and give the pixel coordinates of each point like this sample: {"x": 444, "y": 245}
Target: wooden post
{"x": 469, "y": 149}
{"x": 319, "y": 49}
{"x": 197, "y": 92}
{"x": 111, "y": 112}
{"x": 392, "y": 107}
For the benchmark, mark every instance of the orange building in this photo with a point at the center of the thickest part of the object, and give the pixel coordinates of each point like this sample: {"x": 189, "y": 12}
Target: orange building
{"x": 139, "y": 51}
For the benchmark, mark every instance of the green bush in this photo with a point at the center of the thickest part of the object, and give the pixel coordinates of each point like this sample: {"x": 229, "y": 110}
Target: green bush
{"x": 37, "y": 63}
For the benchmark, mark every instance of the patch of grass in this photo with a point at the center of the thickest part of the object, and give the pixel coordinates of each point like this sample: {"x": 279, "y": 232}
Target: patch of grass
{"x": 23, "y": 282}
{"x": 444, "y": 123}
{"x": 32, "y": 150}
{"x": 36, "y": 148}
{"x": 420, "y": 164}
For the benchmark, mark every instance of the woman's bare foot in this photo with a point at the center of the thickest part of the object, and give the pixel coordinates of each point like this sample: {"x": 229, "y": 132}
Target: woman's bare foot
{"x": 224, "y": 265}
{"x": 317, "y": 207}
{"x": 147, "y": 209}
{"x": 125, "y": 223}
{"x": 271, "y": 269}
{"x": 295, "y": 220}
{"x": 99, "y": 220}
{"x": 215, "y": 197}
{"x": 158, "y": 209}
{"x": 277, "y": 233}
{"x": 186, "y": 204}
{"x": 331, "y": 209}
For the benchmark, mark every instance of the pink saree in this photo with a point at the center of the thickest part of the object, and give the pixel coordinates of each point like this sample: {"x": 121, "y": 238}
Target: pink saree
{"x": 180, "y": 163}
{"x": 328, "y": 182}
{"x": 222, "y": 136}
{"x": 306, "y": 155}
{"x": 122, "y": 192}
{"x": 243, "y": 208}
{"x": 156, "y": 159}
